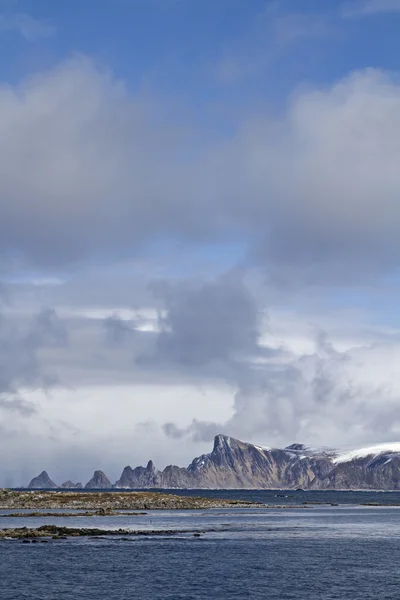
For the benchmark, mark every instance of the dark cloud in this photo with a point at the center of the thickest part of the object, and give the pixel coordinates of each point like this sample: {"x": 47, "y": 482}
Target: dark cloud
{"x": 47, "y": 329}
{"x": 198, "y": 430}
{"x": 117, "y": 330}
{"x": 216, "y": 322}
{"x": 18, "y": 405}
{"x": 20, "y": 345}
{"x": 171, "y": 430}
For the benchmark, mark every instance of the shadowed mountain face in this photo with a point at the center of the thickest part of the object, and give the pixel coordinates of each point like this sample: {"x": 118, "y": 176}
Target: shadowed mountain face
{"x": 42, "y": 482}
{"x": 235, "y": 464}
{"x": 371, "y": 472}
{"x": 99, "y": 481}
{"x": 140, "y": 477}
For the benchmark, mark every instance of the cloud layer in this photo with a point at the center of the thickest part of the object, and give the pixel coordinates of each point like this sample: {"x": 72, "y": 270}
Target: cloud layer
{"x": 94, "y": 174}
{"x": 89, "y": 170}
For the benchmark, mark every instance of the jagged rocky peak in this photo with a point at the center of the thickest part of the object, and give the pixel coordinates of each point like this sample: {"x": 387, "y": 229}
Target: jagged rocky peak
{"x": 228, "y": 443}
{"x": 140, "y": 477}
{"x": 99, "y": 481}
{"x": 299, "y": 447}
{"x": 223, "y": 442}
{"x": 42, "y": 482}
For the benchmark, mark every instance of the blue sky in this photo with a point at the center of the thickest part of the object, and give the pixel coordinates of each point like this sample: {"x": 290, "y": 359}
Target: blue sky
{"x": 199, "y": 224}
{"x": 201, "y": 54}
{"x": 207, "y": 65}
{"x": 210, "y": 68}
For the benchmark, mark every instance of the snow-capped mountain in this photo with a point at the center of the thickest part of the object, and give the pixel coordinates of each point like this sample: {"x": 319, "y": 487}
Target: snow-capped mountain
{"x": 236, "y": 464}
{"x": 379, "y": 450}
{"x": 374, "y": 467}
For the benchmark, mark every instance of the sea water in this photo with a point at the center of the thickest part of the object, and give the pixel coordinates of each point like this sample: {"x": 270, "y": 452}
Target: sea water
{"x": 319, "y": 552}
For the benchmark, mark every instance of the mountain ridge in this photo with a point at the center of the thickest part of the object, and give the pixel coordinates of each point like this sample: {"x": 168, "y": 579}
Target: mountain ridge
{"x": 234, "y": 464}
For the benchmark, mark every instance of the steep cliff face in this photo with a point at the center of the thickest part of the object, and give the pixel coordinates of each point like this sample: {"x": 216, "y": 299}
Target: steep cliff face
{"x": 231, "y": 464}
{"x": 236, "y": 464}
{"x": 99, "y": 481}
{"x": 140, "y": 477}
{"x": 42, "y": 482}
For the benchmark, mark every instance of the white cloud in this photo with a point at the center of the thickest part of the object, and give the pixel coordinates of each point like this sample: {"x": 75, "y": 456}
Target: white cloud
{"x": 369, "y": 7}
{"x": 27, "y": 26}
{"x": 324, "y": 180}
{"x": 274, "y": 33}
{"x": 90, "y": 170}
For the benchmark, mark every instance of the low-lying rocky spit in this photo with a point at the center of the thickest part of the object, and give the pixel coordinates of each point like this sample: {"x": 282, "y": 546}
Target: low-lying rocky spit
{"x": 94, "y": 504}
{"x": 87, "y": 513}
{"x": 110, "y": 501}
{"x": 54, "y": 532}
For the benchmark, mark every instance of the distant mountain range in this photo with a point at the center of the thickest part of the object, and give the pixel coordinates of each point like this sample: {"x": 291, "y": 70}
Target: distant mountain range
{"x": 238, "y": 465}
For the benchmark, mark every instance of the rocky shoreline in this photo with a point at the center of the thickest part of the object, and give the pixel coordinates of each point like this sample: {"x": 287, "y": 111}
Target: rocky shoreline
{"x": 110, "y": 501}
{"x": 86, "y": 513}
{"x": 54, "y": 532}
{"x": 95, "y": 504}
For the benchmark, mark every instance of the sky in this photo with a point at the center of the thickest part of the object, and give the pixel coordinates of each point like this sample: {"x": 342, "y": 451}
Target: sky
{"x": 199, "y": 229}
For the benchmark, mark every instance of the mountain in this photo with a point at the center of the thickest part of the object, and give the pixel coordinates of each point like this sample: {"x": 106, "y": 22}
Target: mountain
{"x": 234, "y": 464}
{"x": 141, "y": 477}
{"x": 99, "y": 481}
{"x": 42, "y": 482}
{"x": 373, "y": 468}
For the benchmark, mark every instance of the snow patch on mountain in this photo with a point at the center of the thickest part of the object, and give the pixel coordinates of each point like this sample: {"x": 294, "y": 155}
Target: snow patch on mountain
{"x": 388, "y": 448}
{"x": 263, "y": 448}
{"x": 302, "y": 451}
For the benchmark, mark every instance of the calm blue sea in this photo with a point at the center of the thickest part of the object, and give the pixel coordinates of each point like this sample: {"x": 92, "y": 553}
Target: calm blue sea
{"x": 322, "y": 552}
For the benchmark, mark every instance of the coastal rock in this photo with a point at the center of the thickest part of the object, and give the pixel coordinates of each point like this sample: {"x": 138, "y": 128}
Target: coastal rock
{"x": 99, "y": 481}
{"x": 102, "y": 504}
{"x": 141, "y": 477}
{"x": 42, "y": 482}
{"x": 71, "y": 486}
